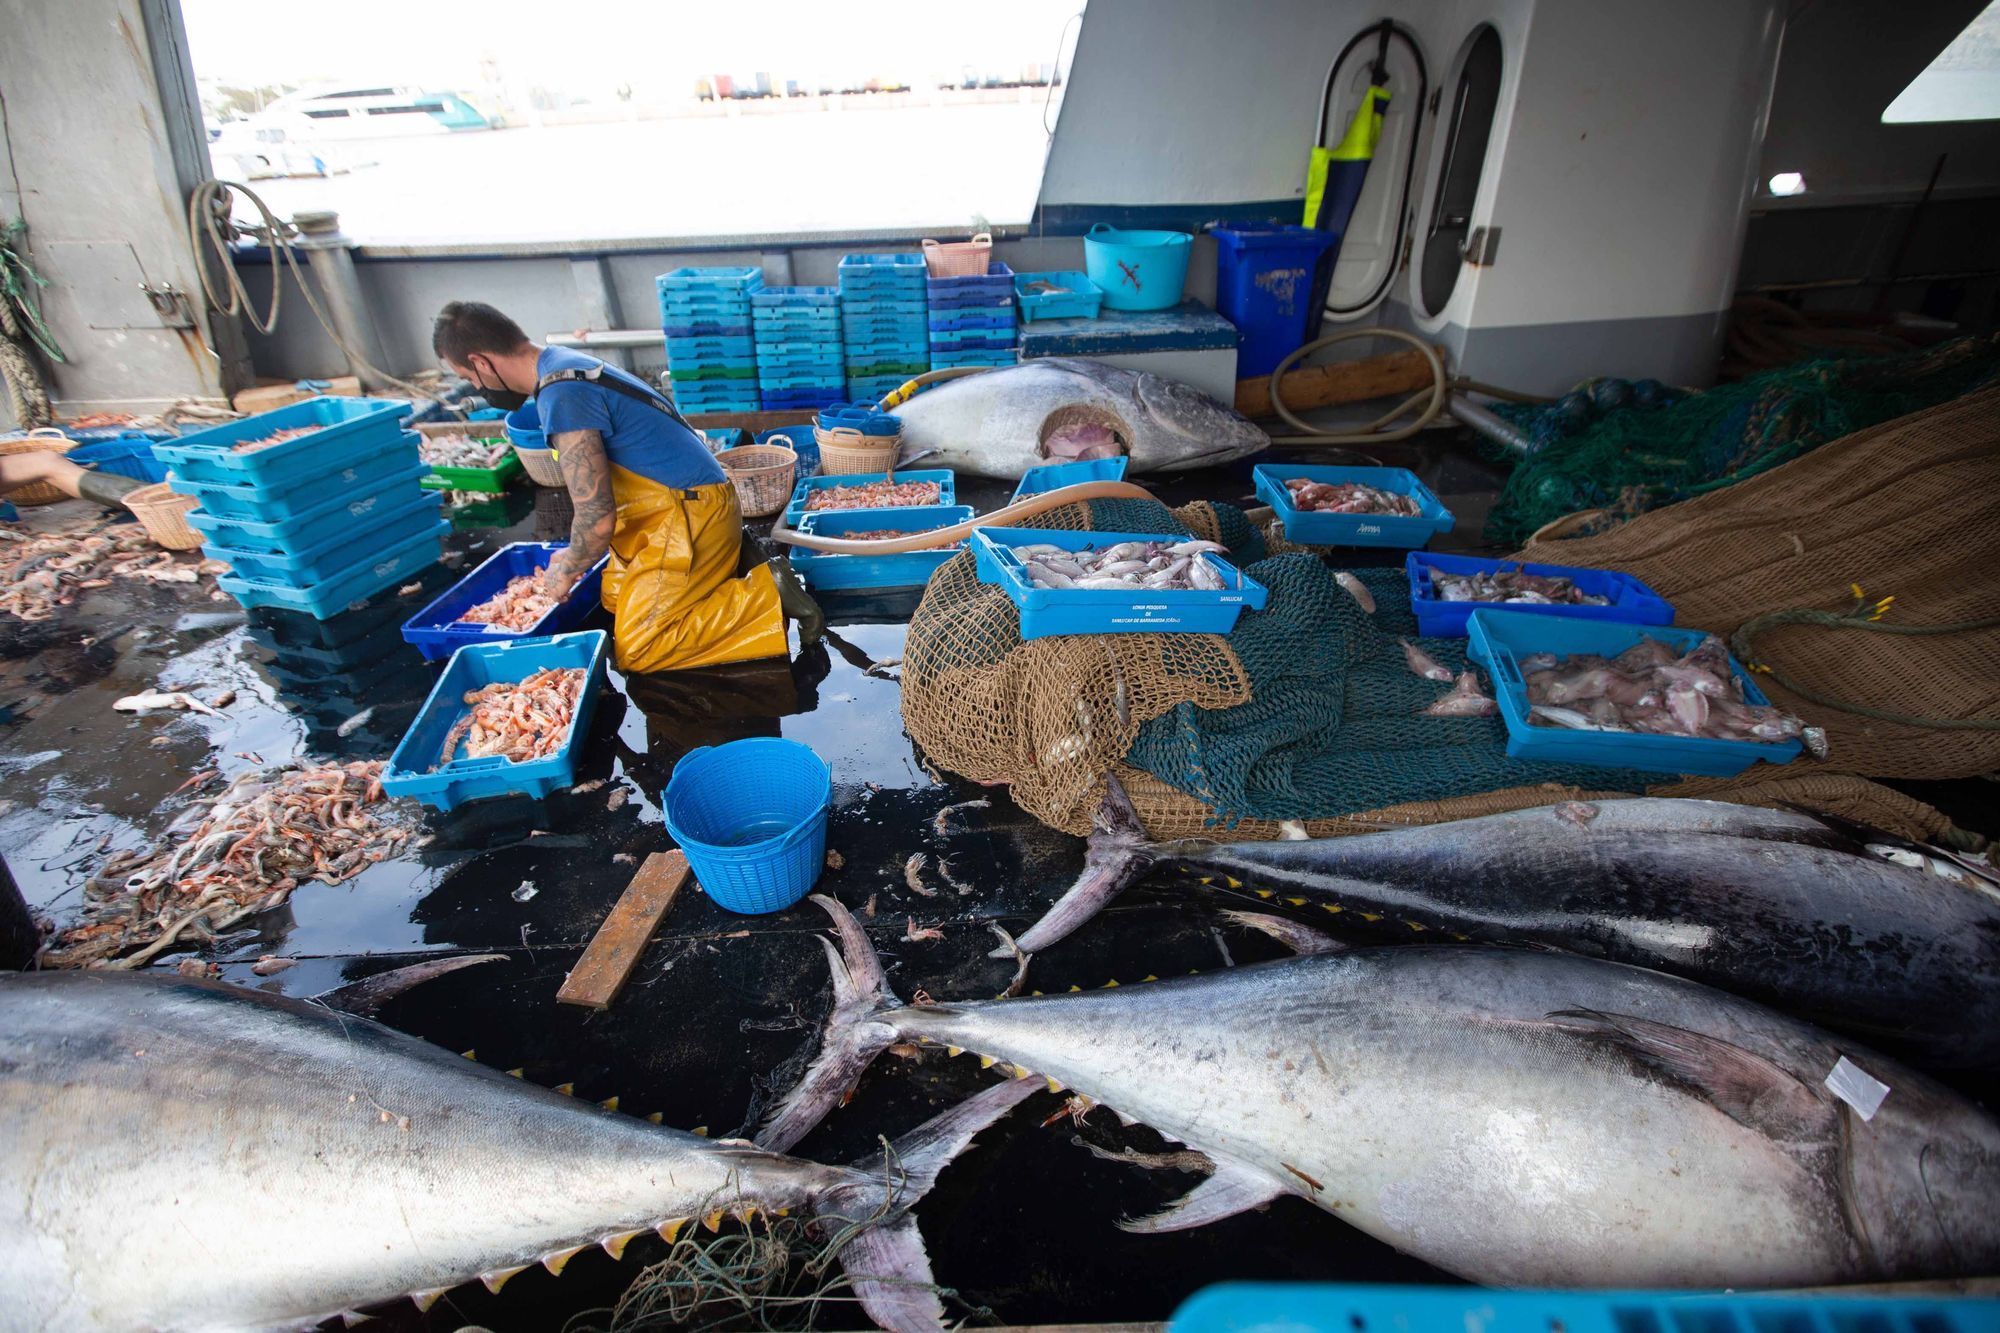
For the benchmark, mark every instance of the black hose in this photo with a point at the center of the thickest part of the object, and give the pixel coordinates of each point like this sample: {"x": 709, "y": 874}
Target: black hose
{"x": 1402, "y": 34}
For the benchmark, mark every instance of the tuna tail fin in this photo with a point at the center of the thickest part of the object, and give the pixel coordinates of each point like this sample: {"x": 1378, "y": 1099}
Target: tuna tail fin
{"x": 1118, "y": 854}
{"x": 853, "y": 1037}
{"x": 885, "y": 1257}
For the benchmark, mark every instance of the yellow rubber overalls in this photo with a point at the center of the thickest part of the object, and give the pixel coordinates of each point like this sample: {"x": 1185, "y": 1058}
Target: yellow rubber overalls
{"x": 670, "y": 583}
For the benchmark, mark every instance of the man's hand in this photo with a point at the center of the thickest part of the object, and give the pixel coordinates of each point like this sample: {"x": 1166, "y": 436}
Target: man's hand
{"x": 587, "y": 473}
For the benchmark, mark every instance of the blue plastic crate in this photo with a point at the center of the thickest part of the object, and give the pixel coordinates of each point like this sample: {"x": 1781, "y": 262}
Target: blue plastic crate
{"x": 1499, "y": 639}
{"x": 415, "y": 770}
{"x": 801, "y": 400}
{"x": 334, "y": 550}
{"x": 861, "y": 309}
{"x": 906, "y": 267}
{"x": 436, "y": 632}
{"x": 346, "y": 429}
{"x": 791, "y": 363}
{"x": 795, "y": 509}
{"x": 955, "y": 360}
{"x": 129, "y": 455}
{"x": 998, "y": 279}
{"x": 248, "y": 500}
{"x": 800, "y": 440}
{"x": 711, "y": 406}
{"x": 1314, "y": 529}
{"x": 695, "y": 348}
{"x": 1055, "y": 476}
{"x": 793, "y": 298}
{"x": 864, "y": 417}
{"x": 739, "y": 278}
{"x": 792, "y": 331}
{"x": 817, "y": 350}
{"x": 874, "y": 390}
{"x": 364, "y": 578}
{"x": 997, "y": 317}
{"x": 1316, "y": 1307}
{"x": 1046, "y": 612}
{"x": 312, "y": 526}
{"x": 973, "y": 340}
{"x": 704, "y": 368}
{"x": 824, "y": 571}
{"x": 726, "y": 437}
{"x": 708, "y": 328}
{"x": 1083, "y": 300}
{"x": 737, "y": 307}
{"x": 908, "y": 320}
{"x": 797, "y": 380}
{"x": 1632, "y": 602}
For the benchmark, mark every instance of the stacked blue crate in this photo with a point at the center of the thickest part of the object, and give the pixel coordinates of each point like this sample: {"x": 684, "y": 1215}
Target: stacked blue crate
{"x": 799, "y": 361}
{"x": 973, "y": 321}
{"x": 885, "y": 322}
{"x": 312, "y": 523}
{"x": 706, "y": 314}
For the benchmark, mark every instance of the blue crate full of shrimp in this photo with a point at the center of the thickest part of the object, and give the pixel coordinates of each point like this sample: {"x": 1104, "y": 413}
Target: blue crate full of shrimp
{"x": 371, "y": 466}
{"x": 1318, "y": 528}
{"x": 827, "y": 571}
{"x": 1046, "y": 612}
{"x": 325, "y": 435}
{"x": 421, "y": 769}
{"x": 944, "y": 479}
{"x": 440, "y": 629}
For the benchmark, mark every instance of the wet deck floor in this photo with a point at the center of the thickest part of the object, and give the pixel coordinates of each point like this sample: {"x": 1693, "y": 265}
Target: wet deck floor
{"x": 722, "y": 1009}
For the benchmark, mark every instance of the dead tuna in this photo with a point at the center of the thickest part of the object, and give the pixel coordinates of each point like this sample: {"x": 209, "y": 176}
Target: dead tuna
{"x": 1515, "y": 1117}
{"x": 162, "y": 1125}
{"x": 1897, "y": 944}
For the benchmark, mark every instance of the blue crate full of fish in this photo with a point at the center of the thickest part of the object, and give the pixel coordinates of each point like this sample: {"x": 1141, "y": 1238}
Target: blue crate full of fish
{"x": 421, "y": 769}
{"x": 372, "y": 466}
{"x": 1066, "y": 294}
{"x": 1446, "y": 589}
{"x": 996, "y": 284}
{"x": 340, "y": 513}
{"x": 440, "y": 628}
{"x": 382, "y": 568}
{"x": 1373, "y": 527}
{"x": 944, "y": 479}
{"x": 1055, "y": 476}
{"x": 307, "y": 563}
{"x": 1514, "y": 645}
{"x": 826, "y": 571}
{"x": 319, "y": 436}
{"x": 1024, "y": 563}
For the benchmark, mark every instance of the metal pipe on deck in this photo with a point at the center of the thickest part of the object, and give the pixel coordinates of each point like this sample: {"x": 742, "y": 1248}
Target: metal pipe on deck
{"x": 331, "y": 255}
{"x": 1486, "y": 423}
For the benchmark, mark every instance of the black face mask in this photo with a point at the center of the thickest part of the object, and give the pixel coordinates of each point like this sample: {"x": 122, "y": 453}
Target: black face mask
{"x": 503, "y": 398}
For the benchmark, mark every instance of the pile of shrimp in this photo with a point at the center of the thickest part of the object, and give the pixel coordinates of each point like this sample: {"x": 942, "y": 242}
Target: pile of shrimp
{"x": 874, "y": 495}
{"x": 41, "y": 571}
{"x": 522, "y": 720}
{"x": 275, "y": 437}
{"x": 518, "y": 606}
{"x": 240, "y": 853}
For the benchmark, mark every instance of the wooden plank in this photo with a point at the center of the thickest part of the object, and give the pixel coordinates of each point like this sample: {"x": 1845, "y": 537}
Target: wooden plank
{"x": 756, "y": 421}
{"x": 1337, "y": 382}
{"x": 614, "y": 951}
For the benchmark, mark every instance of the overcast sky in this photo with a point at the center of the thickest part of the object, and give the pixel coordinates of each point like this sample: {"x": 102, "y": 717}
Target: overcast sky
{"x": 598, "y": 44}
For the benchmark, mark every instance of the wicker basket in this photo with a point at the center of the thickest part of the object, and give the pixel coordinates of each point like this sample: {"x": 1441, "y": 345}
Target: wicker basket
{"x": 762, "y": 474}
{"x": 162, "y": 512}
{"x": 959, "y": 259}
{"x": 43, "y": 439}
{"x": 541, "y": 465}
{"x": 844, "y": 451}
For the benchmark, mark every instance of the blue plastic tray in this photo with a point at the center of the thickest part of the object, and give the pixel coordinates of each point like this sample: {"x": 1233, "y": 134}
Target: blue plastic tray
{"x": 801, "y": 399}
{"x": 952, "y": 360}
{"x": 128, "y": 455}
{"x": 973, "y": 340}
{"x": 999, "y": 317}
{"x": 377, "y": 465}
{"x": 826, "y": 572}
{"x": 1313, "y": 1307}
{"x": 347, "y": 427}
{"x": 876, "y": 389}
{"x": 947, "y": 481}
{"x": 694, "y": 312}
{"x": 779, "y": 353}
{"x": 789, "y": 298}
{"x": 414, "y": 770}
{"x": 1632, "y": 602}
{"x": 707, "y": 328}
{"x": 331, "y": 596}
{"x": 998, "y": 278}
{"x": 864, "y": 417}
{"x": 799, "y": 439}
{"x": 706, "y": 347}
{"x": 738, "y": 278}
{"x": 792, "y": 363}
{"x": 893, "y": 322}
{"x": 1051, "y": 611}
{"x": 882, "y": 267}
{"x": 854, "y": 308}
{"x": 334, "y": 551}
{"x": 1055, "y": 476}
{"x": 1083, "y": 300}
{"x": 435, "y": 631}
{"x": 1501, "y": 638}
{"x": 726, "y": 437}
{"x": 340, "y": 513}
{"x": 1313, "y": 529}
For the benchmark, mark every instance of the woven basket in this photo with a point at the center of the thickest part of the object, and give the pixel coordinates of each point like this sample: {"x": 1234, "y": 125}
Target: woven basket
{"x": 959, "y": 259}
{"x": 762, "y": 474}
{"x": 43, "y": 439}
{"x": 844, "y": 451}
{"x": 541, "y": 465}
{"x": 162, "y": 512}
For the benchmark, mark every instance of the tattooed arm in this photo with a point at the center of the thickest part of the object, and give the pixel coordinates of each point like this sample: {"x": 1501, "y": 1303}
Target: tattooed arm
{"x": 587, "y": 473}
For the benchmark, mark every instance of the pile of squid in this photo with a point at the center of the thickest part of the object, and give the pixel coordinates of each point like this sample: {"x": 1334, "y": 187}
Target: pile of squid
{"x": 518, "y": 606}
{"x": 461, "y": 451}
{"x": 874, "y": 495}
{"x": 520, "y": 720}
{"x": 40, "y": 572}
{"x": 1348, "y": 497}
{"x": 1512, "y": 585}
{"x": 275, "y": 437}
{"x": 241, "y": 852}
{"x": 1652, "y": 689}
{"x": 1156, "y": 566}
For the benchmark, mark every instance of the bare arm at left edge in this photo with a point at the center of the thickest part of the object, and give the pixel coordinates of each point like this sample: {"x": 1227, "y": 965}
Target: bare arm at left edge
{"x": 587, "y": 473}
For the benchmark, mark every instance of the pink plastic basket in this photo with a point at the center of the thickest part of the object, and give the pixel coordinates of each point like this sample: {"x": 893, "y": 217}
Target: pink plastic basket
{"x": 959, "y": 259}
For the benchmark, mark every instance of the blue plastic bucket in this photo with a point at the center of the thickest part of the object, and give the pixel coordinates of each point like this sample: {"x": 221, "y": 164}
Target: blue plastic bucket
{"x": 1264, "y": 286}
{"x": 524, "y": 427}
{"x": 1137, "y": 270}
{"x": 750, "y": 817}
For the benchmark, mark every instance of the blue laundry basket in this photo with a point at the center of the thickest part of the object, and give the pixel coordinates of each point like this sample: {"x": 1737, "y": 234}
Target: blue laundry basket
{"x": 750, "y": 817}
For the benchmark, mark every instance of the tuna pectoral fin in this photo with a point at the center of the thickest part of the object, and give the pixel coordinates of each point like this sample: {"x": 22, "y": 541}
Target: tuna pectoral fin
{"x": 1300, "y": 939}
{"x": 1233, "y": 1189}
{"x": 1118, "y": 854}
{"x": 892, "y": 1277}
{"x": 366, "y": 997}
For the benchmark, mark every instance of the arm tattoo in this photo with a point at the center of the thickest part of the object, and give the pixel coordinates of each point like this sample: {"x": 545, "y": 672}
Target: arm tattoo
{"x": 587, "y": 473}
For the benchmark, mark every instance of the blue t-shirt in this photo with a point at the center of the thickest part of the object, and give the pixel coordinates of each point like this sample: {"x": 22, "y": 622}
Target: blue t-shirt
{"x": 637, "y": 437}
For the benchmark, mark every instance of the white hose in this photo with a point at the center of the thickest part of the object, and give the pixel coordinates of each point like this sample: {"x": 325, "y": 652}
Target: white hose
{"x": 1432, "y": 401}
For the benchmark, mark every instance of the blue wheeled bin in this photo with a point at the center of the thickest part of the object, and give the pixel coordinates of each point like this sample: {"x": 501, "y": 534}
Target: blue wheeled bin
{"x": 1264, "y": 286}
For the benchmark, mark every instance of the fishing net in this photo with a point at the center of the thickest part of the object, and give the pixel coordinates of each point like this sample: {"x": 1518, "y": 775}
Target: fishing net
{"x": 1626, "y": 449}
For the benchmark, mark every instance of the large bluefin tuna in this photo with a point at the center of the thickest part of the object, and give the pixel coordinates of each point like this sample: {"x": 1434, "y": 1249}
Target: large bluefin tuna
{"x": 1003, "y": 422}
{"x": 1513, "y": 1116}
{"x": 1896, "y": 944}
{"x": 182, "y": 1154}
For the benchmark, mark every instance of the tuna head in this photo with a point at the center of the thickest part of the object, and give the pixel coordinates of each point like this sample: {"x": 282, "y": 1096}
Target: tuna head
{"x": 1184, "y": 428}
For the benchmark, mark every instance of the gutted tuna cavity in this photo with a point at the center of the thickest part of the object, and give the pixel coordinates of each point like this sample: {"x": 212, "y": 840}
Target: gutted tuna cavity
{"x": 1083, "y": 431}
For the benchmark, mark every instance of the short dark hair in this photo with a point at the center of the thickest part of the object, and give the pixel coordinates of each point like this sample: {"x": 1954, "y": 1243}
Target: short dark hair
{"x": 465, "y": 327}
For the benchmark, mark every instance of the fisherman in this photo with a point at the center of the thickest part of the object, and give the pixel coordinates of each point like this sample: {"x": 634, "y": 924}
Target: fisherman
{"x": 646, "y": 489}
